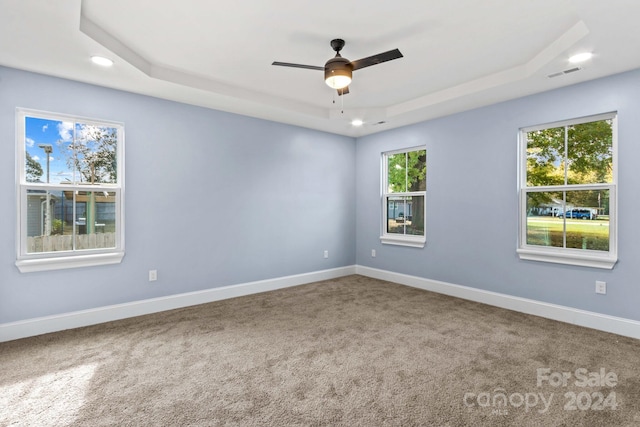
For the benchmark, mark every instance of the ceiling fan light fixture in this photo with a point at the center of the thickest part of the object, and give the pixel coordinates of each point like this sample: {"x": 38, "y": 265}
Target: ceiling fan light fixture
{"x": 338, "y": 81}
{"x": 338, "y": 70}
{"x": 337, "y": 73}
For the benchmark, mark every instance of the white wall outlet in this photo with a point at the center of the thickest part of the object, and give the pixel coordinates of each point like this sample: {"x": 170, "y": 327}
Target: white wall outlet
{"x": 373, "y": 253}
{"x": 153, "y": 275}
{"x": 601, "y": 287}
{"x": 326, "y": 254}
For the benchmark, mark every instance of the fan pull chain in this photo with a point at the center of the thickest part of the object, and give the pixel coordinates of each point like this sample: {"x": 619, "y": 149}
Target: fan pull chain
{"x": 341, "y": 100}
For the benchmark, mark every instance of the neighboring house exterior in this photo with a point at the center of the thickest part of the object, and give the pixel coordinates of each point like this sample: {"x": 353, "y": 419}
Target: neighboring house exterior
{"x": 62, "y": 210}
{"x": 36, "y": 206}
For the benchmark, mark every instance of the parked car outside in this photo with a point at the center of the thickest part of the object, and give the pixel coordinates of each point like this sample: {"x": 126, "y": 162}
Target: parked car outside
{"x": 579, "y": 214}
{"x": 401, "y": 218}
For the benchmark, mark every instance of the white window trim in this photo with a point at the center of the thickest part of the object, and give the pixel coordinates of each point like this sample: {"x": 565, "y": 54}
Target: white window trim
{"x": 392, "y": 238}
{"x": 578, "y": 257}
{"x": 46, "y": 261}
{"x": 413, "y": 242}
{"x": 74, "y": 261}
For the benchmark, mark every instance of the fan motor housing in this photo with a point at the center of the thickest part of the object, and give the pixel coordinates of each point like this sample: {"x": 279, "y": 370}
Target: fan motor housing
{"x": 338, "y": 66}
{"x": 338, "y": 71}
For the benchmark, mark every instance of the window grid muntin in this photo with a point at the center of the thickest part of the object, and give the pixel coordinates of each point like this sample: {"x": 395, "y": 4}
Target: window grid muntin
{"x": 569, "y": 255}
{"x": 396, "y": 238}
{"x": 67, "y": 257}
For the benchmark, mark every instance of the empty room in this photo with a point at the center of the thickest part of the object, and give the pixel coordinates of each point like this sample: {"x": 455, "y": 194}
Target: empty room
{"x": 278, "y": 213}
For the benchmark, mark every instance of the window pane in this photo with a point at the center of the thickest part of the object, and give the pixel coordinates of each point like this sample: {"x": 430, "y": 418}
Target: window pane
{"x": 397, "y": 173}
{"x": 545, "y": 226}
{"x": 70, "y": 191}
{"x": 545, "y": 157}
{"x": 94, "y": 153}
{"x": 46, "y": 146}
{"x": 414, "y": 215}
{"x": 396, "y": 215}
{"x": 95, "y": 223}
{"x": 405, "y": 215}
{"x": 48, "y": 228}
{"x": 573, "y": 162}
{"x": 417, "y": 170}
{"x": 404, "y": 196}
{"x": 590, "y": 153}
{"x": 587, "y": 219}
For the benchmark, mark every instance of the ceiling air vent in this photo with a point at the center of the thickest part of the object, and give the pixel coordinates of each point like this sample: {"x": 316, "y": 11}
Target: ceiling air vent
{"x": 562, "y": 73}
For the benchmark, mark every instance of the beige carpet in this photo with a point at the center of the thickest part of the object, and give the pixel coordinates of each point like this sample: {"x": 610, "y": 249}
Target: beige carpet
{"x": 347, "y": 352}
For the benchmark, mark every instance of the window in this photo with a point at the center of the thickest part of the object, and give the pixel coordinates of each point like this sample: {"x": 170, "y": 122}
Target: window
{"x": 70, "y": 191}
{"x": 404, "y": 185}
{"x": 568, "y": 192}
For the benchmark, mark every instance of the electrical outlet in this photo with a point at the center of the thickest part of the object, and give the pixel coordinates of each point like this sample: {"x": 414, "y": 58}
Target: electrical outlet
{"x": 326, "y": 254}
{"x": 153, "y": 275}
{"x": 601, "y": 287}
{"x": 373, "y": 253}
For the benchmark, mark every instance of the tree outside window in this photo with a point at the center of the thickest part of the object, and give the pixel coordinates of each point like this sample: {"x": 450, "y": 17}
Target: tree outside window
{"x": 568, "y": 188}
{"x": 404, "y": 190}
{"x": 70, "y": 187}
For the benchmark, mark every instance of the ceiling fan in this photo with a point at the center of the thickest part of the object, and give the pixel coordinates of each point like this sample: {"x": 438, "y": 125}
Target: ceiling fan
{"x": 338, "y": 70}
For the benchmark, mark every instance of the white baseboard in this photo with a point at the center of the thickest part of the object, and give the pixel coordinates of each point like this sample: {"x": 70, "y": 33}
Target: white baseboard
{"x": 43, "y": 325}
{"x": 589, "y": 319}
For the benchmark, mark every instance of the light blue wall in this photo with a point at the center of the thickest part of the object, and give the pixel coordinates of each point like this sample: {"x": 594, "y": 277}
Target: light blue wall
{"x": 215, "y": 199}
{"x": 472, "y": 203}
{"x": 212, "y": 199}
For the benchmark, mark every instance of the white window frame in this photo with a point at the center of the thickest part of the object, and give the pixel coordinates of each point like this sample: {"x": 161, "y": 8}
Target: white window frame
{"x": 394, "y": 238}
{"x": 44, "y": 261}
{"x": 570, "y": 256}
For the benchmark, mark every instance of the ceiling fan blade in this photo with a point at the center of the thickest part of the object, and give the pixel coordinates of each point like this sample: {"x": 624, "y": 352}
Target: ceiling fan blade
{"x": 288, "y": 64}
{"x": 343, "y": 91}
{"x": 376, "y": 59}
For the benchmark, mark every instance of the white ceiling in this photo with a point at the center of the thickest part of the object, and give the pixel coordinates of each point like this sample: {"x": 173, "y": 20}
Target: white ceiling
{"x": 458, "y": 55}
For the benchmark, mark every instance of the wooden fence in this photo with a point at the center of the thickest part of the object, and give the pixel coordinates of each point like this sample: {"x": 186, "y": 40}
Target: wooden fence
{"x": 58, "y": 242}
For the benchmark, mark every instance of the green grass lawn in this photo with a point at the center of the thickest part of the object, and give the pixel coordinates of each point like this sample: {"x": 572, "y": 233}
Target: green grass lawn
{"x": 581, "y": 234}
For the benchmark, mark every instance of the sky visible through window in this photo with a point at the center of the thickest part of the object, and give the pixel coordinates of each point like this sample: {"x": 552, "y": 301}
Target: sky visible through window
{"x": 58, "y": 135}
{"x": 77, "y": 152}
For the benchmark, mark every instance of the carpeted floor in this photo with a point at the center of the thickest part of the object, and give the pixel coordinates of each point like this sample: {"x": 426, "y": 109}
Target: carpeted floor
{"x": 352, "y": 351}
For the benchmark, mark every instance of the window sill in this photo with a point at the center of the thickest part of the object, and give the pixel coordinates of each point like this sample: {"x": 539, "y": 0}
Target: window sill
{"x": 411, "y": 241}
{"x": 569, "y": 258}
{"x": 75, "y": 261}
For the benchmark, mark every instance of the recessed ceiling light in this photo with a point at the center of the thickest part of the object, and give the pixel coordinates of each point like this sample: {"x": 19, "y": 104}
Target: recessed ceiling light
{"x": 101, "y": 60}
{"x": 581, "y": 57}
{"x": 357, "y": 122}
